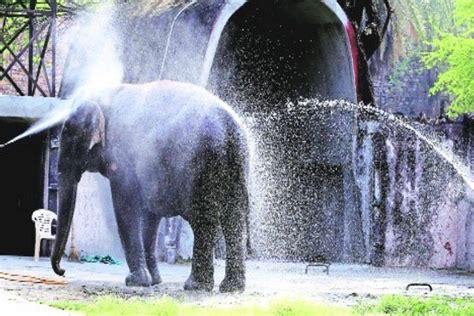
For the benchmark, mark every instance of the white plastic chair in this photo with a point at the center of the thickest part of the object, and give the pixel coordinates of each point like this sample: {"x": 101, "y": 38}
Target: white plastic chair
{"x": 43, "y": 220}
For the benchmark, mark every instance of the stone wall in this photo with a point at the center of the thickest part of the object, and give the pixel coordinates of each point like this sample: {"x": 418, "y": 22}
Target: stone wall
{"x": 404, "y": 88}
{"x": 427, "y": 217}
{"x": 419, "y": 210}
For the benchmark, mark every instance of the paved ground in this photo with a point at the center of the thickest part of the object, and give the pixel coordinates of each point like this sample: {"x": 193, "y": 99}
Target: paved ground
{"x": 18, "y": 306}
{"x": 345, "y": 284}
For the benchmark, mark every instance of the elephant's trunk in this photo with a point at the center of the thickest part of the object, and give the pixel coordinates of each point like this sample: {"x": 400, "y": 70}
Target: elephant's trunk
{"x": 81, "y": 138}
{"x": 67, "y": 200}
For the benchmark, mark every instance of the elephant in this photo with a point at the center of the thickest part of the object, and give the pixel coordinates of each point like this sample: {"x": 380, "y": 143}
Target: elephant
{"x": 167, "y": 148}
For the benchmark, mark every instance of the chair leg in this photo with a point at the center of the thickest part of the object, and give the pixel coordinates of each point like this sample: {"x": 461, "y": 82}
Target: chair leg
{"x": 37, "y": 248}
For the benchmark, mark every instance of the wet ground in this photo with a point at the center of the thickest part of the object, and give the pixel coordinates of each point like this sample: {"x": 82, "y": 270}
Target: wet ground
{"x": 346, "y": 284}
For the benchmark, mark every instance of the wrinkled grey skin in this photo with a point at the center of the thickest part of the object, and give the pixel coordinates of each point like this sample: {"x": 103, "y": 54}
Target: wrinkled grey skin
{"x": 168, "y": 149}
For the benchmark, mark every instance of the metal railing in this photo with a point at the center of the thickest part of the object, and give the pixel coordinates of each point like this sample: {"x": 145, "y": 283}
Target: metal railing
{"x": 28, "y": 46}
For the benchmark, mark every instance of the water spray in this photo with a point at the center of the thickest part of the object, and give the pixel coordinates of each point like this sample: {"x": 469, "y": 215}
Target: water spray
{"x": 7, "y": 143}
{"x": 99, "y": 71}
{"x": 453, "y": 160}
{"x": 12, "y": 141}
{"x": 168, "y": 40}
{"x": 51, "y": 119}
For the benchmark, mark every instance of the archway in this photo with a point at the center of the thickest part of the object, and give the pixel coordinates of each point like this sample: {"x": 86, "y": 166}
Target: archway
{"x": 272, "y": 52}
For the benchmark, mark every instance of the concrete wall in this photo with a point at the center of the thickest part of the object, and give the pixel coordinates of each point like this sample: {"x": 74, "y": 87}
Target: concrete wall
{"x": 95, "y": 228}
{"x": 30, "y": 108}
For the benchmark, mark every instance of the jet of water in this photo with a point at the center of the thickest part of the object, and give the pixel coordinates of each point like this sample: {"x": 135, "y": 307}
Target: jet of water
{"x": 51, "y": 119}
{"x": 460, "y": 168}
{"x": 168, "y": 40}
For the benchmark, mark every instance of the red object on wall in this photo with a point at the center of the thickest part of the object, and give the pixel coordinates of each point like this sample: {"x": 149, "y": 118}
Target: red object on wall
{"x": 355, "y": 53}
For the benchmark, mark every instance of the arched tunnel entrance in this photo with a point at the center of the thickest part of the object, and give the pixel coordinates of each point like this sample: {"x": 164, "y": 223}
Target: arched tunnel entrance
{"x": 271, "y": 54}
{"x": 268, "y": 55}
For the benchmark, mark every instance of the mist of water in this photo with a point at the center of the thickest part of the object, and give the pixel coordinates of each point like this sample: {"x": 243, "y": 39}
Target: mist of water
{"x": 93, "y": 66}
{"x": 94, "y": 62}
{"x": 296, "y": 201}
{"x": 51, "y": 119}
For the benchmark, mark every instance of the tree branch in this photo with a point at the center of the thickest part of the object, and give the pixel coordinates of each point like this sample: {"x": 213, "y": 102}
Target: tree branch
{"x": 389, "y": 9}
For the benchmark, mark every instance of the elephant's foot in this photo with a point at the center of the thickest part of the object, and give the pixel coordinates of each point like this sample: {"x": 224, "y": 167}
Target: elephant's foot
{"x": 192, "y": 285}
{"x": 155, "y": 278}
{"x": 139, "y": 278}
{"x": 232, "y": 284}
{"x": 152, "y": 265}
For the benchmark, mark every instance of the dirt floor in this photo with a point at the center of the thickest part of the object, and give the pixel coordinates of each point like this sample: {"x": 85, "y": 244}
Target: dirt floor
{"x": 345, "y": 284}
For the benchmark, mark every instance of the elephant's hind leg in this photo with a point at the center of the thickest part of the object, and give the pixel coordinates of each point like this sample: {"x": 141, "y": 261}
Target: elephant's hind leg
{"x": 232, "y": 219}
{"x": 151, "y": 224}
{"x": 232, "y": 226}
{"x": 204, "y": 227}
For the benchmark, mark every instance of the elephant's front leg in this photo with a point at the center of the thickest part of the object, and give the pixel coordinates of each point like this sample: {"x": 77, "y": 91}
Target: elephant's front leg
{"x": 151, "y": 224}
{"x": 128, "y": 212}
{"x": 202, "y": 270}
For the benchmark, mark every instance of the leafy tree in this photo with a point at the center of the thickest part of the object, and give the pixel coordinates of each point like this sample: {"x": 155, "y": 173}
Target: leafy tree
{"x": 454, "y": 55}
{"x": 414, "y": 25}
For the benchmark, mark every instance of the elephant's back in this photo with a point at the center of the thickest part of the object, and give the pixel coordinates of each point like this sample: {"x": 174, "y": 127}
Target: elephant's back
{"x": 168, "y": 131}
{"x": 166, "y": 95}
{"x": 162, "y": 100}
{"x": 168, "y": 110}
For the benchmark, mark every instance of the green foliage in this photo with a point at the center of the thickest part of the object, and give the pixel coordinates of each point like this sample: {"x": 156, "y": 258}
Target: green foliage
{"x": 43, "y": 4}
{"x": 453, "y": 54}
{"x": 415, "y": 22}
{"x": 297, "y": 308}
{"x": 165, "y": 306}
{"x": 65, "y": 5}
{"x": 398, "y": 305}
{"x": 464, "y": 14}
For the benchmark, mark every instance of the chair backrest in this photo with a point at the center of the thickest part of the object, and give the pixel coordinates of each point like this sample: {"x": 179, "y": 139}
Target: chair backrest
{"x": 43, "y": 220}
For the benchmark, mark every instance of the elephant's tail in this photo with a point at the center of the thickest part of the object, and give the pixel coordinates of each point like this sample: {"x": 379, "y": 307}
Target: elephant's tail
{"x": 250, "y": 252}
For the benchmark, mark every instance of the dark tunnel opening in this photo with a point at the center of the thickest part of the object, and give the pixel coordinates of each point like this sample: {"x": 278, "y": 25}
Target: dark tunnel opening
{"x": 21, "y": 187}
{"x": 269, "y": 55}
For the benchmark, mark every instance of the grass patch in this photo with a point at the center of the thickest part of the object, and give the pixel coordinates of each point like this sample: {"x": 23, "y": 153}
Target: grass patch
{"x": 108, "y": 305}
{"x": 398, "y": 305}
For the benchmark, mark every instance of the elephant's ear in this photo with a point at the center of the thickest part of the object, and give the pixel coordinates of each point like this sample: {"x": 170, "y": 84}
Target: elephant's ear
{"x": 98, "y": 128}
{"x": 84, "y": 129}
